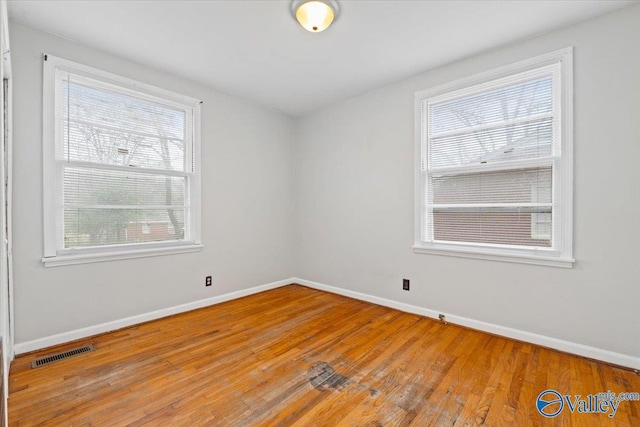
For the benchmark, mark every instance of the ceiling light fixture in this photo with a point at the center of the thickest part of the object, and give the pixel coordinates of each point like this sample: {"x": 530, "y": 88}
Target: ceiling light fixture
{"x": 315, "y": 15}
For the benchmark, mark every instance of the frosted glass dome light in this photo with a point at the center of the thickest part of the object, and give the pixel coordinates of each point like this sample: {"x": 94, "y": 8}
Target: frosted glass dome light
{"x": 315, "y": 15}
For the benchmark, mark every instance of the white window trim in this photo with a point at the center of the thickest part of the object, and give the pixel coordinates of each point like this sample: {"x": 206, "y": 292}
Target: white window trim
{"x": 51, "y": 197}
{"x": 563, "y": 255}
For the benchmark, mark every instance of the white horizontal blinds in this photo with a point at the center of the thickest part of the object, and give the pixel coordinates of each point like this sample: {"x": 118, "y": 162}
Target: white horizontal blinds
{"x": 489, "y": 164}
{"x": 517, "y": 187}
{"x": 493, "y": 207}
{"x": 108, "y": 127}
{"x": 508, "y": 123}
{"x": 99, "y": 227}
{"x": 88, "y": 187}
{"x": 125, "y": 166}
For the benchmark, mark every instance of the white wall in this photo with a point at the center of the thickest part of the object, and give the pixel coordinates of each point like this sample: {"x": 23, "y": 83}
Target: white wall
{"x": 355, "y": 200}
{"x": 5, "y": 264}
{"x": 247, "y": 205}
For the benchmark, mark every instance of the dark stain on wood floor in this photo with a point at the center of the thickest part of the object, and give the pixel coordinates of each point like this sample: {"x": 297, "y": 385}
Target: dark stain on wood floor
{"x": 323, "y": 377}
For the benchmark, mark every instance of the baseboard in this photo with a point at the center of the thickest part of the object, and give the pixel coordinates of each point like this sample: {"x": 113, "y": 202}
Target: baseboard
{"x": 555, "y": 343}
{"x": 40, "y": 343}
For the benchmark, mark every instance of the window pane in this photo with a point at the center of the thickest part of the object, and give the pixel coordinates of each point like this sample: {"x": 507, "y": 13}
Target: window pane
{"x": 107, "y": 127}
{"x": 96, "y": 227}
{"x": 492, "y": 226}
{"x": 88, "y": 186}
{"x": 516, "y": 141}
{"x": 511, "y": 186}
{"x": 513, "y": 223}
{"x": 494, "y": 106}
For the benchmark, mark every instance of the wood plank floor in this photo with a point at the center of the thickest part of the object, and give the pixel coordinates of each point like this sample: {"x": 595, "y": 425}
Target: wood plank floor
{"x": 297, "y": 356}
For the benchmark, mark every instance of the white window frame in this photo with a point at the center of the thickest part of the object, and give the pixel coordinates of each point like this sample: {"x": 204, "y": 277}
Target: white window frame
{"x": 561, "y": 252}
{"x": 54, "y": 252}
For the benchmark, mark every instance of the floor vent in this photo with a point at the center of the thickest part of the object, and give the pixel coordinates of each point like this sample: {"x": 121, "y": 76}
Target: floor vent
{"x": 61, "y": 356}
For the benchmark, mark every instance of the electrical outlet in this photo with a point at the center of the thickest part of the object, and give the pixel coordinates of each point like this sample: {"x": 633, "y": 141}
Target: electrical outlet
{"x": 405, "y": 284}
{"x": 207, "y": 281}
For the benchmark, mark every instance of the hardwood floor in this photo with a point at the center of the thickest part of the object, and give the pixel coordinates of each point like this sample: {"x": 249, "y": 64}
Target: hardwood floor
{"x": 297, "y": 356}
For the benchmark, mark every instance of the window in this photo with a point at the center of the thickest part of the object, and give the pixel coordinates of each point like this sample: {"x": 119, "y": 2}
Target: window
{"x": 494, "y": 170}
{"x": 121, "y": 167}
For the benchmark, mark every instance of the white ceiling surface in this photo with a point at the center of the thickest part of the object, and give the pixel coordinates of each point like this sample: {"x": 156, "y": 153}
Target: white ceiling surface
{"x": 256, "y": 50}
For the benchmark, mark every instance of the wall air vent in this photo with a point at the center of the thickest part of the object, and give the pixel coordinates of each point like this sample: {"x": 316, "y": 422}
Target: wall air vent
{"x": 61, "y": 356}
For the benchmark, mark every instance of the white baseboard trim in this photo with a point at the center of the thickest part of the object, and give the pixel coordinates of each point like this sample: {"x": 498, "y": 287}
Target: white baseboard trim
{"x": 555, "y": 343}
{"x": 65, "y": 337}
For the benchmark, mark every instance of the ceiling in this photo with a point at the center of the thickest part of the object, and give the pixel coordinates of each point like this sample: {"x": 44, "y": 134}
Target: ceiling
{"x": 256, "y": 50}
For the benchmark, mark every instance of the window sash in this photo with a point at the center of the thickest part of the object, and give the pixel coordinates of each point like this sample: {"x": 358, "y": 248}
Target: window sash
{"x": 428, "y": 232}
{"x": 62, "y": 116}
{"x": 185, "y": 207}
{"x": 552, "y": 70}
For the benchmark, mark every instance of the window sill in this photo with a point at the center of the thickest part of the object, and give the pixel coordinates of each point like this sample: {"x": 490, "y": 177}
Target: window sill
{"x": 494, "y": 255}
{"x": 85, "y": 258}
